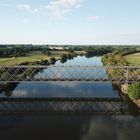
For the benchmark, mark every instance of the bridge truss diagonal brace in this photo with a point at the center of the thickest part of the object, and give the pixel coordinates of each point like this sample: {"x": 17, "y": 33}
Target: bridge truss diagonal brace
{"x": 119, "y": 74}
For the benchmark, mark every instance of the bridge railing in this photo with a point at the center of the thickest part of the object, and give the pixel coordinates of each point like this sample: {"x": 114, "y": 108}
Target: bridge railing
{"x": 122, "y": 74}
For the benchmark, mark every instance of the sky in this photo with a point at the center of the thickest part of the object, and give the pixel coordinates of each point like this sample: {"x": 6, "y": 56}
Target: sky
{"x": 73, "y": 22}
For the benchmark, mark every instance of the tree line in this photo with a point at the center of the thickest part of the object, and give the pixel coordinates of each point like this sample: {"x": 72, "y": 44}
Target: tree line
{"x": 91, "y": 50}
{"x": 20, "y": 50}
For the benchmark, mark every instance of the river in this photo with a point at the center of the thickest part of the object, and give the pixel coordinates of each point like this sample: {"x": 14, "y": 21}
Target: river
{"x": 65, "y": 89}
{"x": 67, "y": 126}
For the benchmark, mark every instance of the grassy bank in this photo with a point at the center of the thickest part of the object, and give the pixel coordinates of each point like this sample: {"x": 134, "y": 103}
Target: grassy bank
{"x": 133, "y": 59}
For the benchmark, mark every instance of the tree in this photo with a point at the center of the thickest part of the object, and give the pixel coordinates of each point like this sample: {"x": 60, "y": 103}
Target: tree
{"x": 52, "y": 60}
{"x": 63, "y": 58}
{"x": 69, "y": 56}
{"x": 48, "y": 53}
{"x": 134, "y": 91}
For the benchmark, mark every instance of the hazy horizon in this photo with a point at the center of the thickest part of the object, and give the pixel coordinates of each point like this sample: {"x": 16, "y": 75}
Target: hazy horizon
{"x": 72, "y": 44}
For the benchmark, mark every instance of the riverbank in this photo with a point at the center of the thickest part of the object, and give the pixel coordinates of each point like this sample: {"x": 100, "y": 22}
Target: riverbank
{"x": 137, "y": 102}
{"x": 120, "y": 59}
{"x": 124, "y": 90}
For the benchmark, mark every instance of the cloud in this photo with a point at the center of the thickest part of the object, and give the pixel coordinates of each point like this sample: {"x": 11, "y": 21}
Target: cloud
{"x": 60, "y": 7}
{"x": 26, "y": 7}
{"x": 23, "y": 7}
{"x": 23, "y": 93}
{"x": 26, "y": 21}
{"x": 92, "y": 18}
{"x": 57, "y": 8}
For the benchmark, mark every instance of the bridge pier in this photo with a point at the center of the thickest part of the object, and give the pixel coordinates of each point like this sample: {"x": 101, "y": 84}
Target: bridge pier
{"x": 124, "y": 88}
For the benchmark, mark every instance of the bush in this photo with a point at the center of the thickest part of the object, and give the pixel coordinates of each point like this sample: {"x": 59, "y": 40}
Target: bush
{"x": 48, "y": 53}
{"x": 134, "y": 91}
{"x": 63, "y": 58}
{"x": 69, "y": 56}
{"x": 52, "y": 60}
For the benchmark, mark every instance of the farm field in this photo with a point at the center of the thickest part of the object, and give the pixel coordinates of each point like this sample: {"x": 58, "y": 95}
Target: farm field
{"x": 34, "y": 56}
{"x": 133, "y": 59}
{"x": 18, "y": 60}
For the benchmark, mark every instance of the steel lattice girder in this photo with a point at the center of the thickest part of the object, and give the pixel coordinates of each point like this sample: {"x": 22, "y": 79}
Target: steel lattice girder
{"x": 120, "y": 74}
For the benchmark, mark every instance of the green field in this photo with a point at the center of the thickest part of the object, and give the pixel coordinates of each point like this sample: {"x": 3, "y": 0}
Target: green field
{"x": 133, "y": 59}
{"x": 32, "y": 57}
{"x": 80, "y": 52}
{"x": 18, "y": 60}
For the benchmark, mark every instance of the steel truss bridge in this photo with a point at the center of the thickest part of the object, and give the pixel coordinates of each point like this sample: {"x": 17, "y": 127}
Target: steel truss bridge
{"x": 119, "y": 74}
{"x": 116, "y": 74}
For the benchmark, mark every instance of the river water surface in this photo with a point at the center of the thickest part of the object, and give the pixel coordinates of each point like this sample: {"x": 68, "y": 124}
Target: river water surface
{"x": 67, "y": 126}
{"x": 66, "y": 89}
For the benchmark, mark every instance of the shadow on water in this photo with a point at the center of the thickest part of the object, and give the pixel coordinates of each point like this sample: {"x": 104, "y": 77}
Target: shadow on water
{"x": 105, "y": 104}
{"x": 69, "y": 127}
{"x": 132, "y": 107}
{"x": 7, "y": 88}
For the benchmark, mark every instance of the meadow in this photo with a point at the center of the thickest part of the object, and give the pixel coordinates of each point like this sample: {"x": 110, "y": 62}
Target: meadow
{"x": 133, "y": 59}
